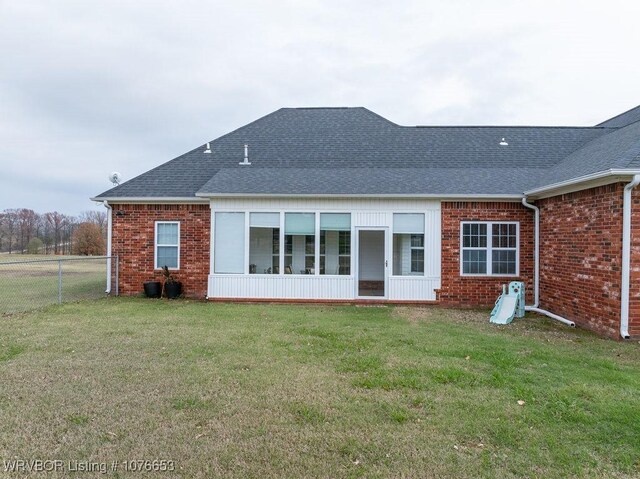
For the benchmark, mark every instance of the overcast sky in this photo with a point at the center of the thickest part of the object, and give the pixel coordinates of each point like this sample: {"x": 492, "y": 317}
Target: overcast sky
{"x": 91, "y": 87}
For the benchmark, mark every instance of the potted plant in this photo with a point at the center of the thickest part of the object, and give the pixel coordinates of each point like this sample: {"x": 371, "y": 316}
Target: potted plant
{"x": 153, "y": 289}
{"x": 170, "y": 287}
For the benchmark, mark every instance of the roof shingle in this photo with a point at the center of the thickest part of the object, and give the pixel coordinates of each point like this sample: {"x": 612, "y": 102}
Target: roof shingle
{"x": 354, "y": 151}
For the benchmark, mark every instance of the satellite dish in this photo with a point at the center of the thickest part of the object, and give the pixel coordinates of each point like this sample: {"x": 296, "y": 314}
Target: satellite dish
{"x": 115, "y": 178}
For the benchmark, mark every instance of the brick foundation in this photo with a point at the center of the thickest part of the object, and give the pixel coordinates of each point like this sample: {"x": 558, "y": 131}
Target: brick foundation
{"x": 580, "y": 257}
{"x": 473, "y": 291}
{"x": 133, "y": 241}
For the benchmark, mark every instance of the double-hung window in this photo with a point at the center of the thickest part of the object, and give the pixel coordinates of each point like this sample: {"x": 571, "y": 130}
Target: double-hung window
{"x": 167, "y": 244}
{"x": 408, "y": 244}
{"x": 264, "y": 243}
{"x": 489, "y": 248}
{"x": 228, "y": 242}
{"x": 299, "y": 243}
{"x": 335, "y": 243}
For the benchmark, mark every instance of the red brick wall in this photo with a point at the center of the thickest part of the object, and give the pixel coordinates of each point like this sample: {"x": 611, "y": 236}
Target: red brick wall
{"x": 133, "y": 242}
{"x": 473, "y": 290}
{"x": 581, "y": 255}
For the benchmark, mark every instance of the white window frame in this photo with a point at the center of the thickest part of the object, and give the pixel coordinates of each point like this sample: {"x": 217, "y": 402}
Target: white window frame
{"x": 280, "y": 240}
{"x": 344, "y": 255}
{"x": 424, "y": 243}
{"x": 417, "y": 248}
{"x": 489, "y": 248}
{"x": 245, "y": 256}
{"x": 282, "y": 212}
{"x": 156, "y": 244}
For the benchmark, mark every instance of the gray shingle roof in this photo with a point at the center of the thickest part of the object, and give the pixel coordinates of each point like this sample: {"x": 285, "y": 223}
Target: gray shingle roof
{"x": 623, "y": 119}
{"x": 371, "y": 181}
{"x": 354, "y": 151}
{"x": 619, "y": 149}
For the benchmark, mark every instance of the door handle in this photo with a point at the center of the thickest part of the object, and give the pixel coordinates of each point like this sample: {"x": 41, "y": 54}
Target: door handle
{"x": 386, "y": 263}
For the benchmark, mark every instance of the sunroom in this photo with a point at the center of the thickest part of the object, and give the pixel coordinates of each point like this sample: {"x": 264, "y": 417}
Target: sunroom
{"x": 325, "y": 250}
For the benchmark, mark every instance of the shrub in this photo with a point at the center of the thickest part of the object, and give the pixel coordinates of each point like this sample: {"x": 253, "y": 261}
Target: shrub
{"x": 34, "y": 246}
{"x": 87, "y": 240}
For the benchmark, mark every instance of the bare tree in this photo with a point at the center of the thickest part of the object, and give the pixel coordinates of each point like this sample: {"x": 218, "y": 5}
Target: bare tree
{"x": 56, "y": 222}
{"x": 10, "y": 226}
{"x": 27, "y": 223}
{"x": 67, "y": 233}
{"x": 95, "y": 217}
{"x": 3, "y": 230}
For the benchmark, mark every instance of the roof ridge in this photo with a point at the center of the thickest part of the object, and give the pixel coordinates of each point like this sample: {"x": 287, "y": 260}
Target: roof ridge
{"x": 518, "y": 126}
{"x": 321, "y": 107}
{"x": 618, "y": 116}
{"x": 245, "y": 126}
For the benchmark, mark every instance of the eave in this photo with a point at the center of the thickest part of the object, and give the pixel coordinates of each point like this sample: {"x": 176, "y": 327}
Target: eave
{"x": 592, "y": 180}
{"x": 150, "y": 199}
{"x": 445, "y": 197}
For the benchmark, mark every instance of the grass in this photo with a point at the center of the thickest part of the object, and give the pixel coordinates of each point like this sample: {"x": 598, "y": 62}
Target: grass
{"x": 31, "y": 285}
{"x": 317, "y": 391}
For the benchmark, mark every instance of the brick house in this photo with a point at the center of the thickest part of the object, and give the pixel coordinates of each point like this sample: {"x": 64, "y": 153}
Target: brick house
{"x": 340, "y": 204}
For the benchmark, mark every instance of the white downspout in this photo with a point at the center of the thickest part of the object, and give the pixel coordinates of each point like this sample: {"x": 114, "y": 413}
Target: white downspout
{"x": 626, "y": 257}
{"x": 109, "y": 225}
{"x": 536, "y": 253}
{"x": 536, "y": 271}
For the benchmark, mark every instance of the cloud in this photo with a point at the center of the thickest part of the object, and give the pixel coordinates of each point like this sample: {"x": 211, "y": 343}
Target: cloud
{"x": 88, "y": 88}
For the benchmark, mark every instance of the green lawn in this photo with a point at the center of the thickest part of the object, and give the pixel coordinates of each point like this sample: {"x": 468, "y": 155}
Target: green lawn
{"x": 257, "y": 391}
{"x": 31, "y": 281}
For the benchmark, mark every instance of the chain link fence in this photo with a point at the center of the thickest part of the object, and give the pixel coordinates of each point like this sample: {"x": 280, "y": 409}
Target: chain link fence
{"x": 34, "y": 283}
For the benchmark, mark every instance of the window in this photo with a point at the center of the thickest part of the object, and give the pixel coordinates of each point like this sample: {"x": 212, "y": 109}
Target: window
{"x": 167, "y": 249}
{"x": 228, "y": 243}
{"x": 264, "y": 243}
{"x": 408, "y": 244}
{"x": 335, "y": 243}
{"x": 489, "y": 248}
{"x": 417, "y": 253}
{"x": 299, "y": 243}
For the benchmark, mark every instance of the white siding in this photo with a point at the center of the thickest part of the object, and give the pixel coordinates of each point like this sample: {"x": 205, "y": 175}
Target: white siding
{"x": 364, "y": 213}
{"x": 281, "y": 286}
{"x": 413, "y": 288}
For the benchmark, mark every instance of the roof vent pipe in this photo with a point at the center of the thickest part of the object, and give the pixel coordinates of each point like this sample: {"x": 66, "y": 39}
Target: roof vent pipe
{"x": 208, "y": 149}
{"x": 503, "y": 142}
{"x": 246, "y": 156}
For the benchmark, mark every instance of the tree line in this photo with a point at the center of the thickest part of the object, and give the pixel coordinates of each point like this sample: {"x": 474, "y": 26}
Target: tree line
{"x": 25, "y": 231}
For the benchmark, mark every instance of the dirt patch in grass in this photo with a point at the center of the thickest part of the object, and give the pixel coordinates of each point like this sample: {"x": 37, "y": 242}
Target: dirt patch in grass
{"x": 433, "y": 313}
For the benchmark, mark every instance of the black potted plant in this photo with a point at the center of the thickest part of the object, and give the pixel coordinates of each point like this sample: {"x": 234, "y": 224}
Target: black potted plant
{"x": 171, "y": 288}
{"x": 153, "y": 289}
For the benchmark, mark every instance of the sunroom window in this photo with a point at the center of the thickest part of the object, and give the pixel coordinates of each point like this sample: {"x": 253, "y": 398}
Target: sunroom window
{"x": 335, "y": 243}
{"x": 408, "y": 244}
{"x": 264, "y": 243}
{"x": 489, "y": 248}
{"x": 167, "y": 244}
{"x": 228, "y": 242}
{"x": 299, "y": 243}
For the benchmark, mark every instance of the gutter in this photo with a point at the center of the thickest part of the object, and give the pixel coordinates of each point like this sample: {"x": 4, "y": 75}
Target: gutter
{"x": 148, "y": 199}
{"x": 605, "y": 174}
{"x": 536, "y": 271}
{"x": 466, "y": 197}
{"x": 109, "y": 227}
{"x": 626, "y": 256}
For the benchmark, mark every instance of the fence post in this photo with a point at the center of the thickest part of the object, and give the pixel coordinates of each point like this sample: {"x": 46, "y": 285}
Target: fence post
{"x": 59, "y": 281}
{"x": 117, "y": 275}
